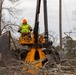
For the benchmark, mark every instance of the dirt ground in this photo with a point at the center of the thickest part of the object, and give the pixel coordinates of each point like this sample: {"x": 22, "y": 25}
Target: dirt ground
{"x": 14, "y": 67}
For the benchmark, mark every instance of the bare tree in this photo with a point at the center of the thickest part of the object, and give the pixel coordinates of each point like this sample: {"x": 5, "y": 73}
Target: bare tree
{"x": 12, "y": 12}
{"x": 74, "y": 19}
{"x": 53, "y": 36}
{"x": 0, "y": 14}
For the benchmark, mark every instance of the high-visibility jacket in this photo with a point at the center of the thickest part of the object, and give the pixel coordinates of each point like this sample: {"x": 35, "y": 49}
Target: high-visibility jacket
{"x": 25, "y": 28}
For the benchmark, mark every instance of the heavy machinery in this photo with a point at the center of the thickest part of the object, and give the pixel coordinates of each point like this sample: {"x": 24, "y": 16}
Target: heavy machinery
{"x": 39, "y": 44}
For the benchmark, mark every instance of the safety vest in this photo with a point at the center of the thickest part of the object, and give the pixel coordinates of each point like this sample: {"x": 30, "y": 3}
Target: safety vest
{"x": 25, "y": 28}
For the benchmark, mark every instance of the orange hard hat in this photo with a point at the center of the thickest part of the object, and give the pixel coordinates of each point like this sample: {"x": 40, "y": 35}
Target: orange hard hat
{"x": 24, "y": 21}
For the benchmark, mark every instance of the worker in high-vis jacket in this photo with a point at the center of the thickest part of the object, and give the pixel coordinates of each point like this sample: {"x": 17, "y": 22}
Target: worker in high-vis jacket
{"x": 25, "y": 28}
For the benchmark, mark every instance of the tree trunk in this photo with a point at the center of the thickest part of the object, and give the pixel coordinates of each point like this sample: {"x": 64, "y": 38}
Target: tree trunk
{"x": 0, "y": 14}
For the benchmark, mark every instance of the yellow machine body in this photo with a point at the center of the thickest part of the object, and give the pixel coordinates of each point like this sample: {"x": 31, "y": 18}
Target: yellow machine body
{"x": 27, "y": 41}
{"x": 35, "y": 55}
{"x": 36, "y": 62}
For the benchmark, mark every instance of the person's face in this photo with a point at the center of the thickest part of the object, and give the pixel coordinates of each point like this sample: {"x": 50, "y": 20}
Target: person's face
{"x": 24, "y": 23}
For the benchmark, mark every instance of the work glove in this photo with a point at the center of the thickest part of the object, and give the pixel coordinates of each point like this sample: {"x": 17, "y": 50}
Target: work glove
{"x": 19, "y": 31}
{"x": 30, "y": 29}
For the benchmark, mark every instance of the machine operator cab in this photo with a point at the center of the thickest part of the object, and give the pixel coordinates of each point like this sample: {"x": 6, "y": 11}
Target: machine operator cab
{"x": 26, "y": 39}
{"x": 29, "y": 39}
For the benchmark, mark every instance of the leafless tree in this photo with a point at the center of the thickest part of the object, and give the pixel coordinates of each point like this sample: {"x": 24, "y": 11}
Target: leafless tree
{"x": 74, "y": 19}
{"x": 53, "y": 36}
{"x": 1, "y": 2}
{"x": 12, "y": 12}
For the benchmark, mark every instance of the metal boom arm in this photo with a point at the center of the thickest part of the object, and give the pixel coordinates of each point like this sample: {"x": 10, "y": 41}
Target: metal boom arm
{"x": 36, "y": 27}
{"x": 45, "y": 20}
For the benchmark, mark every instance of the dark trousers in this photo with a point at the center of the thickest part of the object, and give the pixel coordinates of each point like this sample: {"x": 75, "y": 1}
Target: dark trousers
{"x": 28, "y": 34}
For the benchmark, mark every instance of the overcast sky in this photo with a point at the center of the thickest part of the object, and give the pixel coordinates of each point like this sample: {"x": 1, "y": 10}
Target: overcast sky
{"x": 68, "y": 7}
